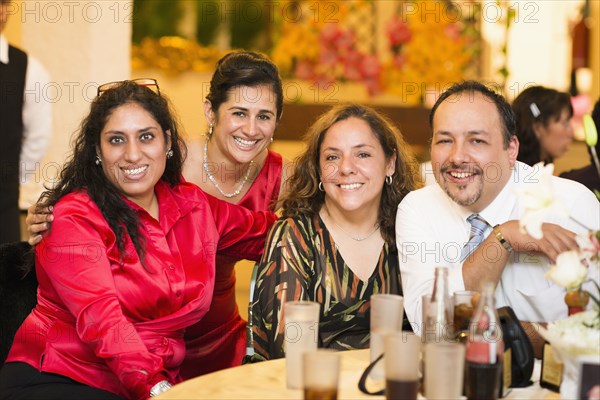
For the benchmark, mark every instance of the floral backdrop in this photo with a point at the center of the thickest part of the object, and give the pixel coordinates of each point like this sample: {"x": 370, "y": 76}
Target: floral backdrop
{"x": 419, "y": 47}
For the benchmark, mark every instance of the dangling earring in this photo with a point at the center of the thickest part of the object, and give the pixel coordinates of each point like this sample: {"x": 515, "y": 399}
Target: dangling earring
{"x": 98, "y": 160}
{"x": 210, "y": 130}
{"x": 170, "y": 153}
{"x": 321, "y": 187}
{"x": 271, "y": 140}
{"x": 389, "y": 180}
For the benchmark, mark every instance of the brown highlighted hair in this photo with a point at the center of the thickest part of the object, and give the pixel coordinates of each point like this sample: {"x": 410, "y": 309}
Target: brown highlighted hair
{"x": 304, "y": 196}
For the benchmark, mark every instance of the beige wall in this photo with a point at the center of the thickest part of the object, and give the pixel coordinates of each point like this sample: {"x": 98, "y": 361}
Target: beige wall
{"x": 81, "y": 44}
{"x": 12, "y": 30}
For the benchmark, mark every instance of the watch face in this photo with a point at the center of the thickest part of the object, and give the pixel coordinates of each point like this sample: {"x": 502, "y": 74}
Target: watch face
{"x": 159, "y": 388}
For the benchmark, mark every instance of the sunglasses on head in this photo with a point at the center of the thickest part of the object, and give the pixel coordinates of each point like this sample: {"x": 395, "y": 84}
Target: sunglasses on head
{"x": 148, "y": 82}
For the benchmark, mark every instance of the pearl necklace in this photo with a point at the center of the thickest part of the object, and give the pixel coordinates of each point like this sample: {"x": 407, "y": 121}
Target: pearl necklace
{"x": 357, "y": 238}
{"x": 214, "y": 181}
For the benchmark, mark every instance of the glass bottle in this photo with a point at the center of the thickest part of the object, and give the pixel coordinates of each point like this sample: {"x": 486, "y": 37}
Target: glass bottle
{"x": 485, "y": 349}
{"x": 438, "y": 321}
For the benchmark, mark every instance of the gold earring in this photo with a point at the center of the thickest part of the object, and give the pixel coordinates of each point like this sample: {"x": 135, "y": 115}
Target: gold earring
{"x": 210, "y": 130}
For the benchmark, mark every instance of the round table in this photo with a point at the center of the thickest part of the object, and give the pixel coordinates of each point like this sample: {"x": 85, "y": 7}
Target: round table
{"x": 266, "y": 380}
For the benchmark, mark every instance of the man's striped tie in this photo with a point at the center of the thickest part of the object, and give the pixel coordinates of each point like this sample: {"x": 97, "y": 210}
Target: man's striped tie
{"x": 478, "y": 226}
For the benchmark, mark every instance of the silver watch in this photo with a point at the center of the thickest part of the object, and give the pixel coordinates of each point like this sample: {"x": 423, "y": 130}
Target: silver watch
{"x": 159, "y": 388}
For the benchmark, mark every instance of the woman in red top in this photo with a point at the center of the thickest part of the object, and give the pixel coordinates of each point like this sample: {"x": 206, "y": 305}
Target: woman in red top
{"x": 242, "y": 108}
{"x": 129, "y": 262}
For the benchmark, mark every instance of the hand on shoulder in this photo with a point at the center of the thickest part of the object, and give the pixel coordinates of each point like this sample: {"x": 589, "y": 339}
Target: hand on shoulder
{"x": 556, "y": 239}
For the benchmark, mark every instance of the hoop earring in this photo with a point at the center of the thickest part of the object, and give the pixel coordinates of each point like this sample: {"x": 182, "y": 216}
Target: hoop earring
{"x": 98, "y": 160}
{"x": 210, "y": 130}
{"x": 389, "y": 179}
{"x": 321, "y": 186}
{"x": 169, "y": 153}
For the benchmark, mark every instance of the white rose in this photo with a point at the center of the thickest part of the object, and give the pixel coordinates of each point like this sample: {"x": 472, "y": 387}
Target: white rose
{"x": 568, "y": 272}
{"x": 538, "y": 200}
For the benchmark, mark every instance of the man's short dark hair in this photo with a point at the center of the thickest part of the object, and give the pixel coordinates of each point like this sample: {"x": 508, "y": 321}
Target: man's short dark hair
{"x": 507, "y": 115}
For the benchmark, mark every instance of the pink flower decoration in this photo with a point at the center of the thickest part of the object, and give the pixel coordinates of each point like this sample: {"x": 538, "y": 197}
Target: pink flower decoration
{"x": 452, "y": 31}
{"x": 329, "y": 33}
{"x": 328, "y": 58}
{"x": 398, "y": 31}
{"x": 304, "y": 70}
{"x": 370, "y": 67}
{"x": 346, "y": 40}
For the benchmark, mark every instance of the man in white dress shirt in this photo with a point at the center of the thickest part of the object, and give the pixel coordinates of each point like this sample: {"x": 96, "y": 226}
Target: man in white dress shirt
{"x": 473, "y": 152}
{"x": 25, "y": 126}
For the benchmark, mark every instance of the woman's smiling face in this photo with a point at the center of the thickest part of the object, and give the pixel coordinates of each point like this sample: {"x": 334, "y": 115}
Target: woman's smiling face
{"x": 133, "y": 150}
{"x": 243, "y": 126}
{"x": 353, "y": 166}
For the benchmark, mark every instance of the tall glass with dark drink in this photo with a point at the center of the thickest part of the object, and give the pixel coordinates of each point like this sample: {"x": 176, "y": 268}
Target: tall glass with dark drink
{"x": 402, "y": 354}
{"x": 401, "y": 389}
{"x": 321, "y": 370}
{"x": 320, "y": 393}
{"x": 463, "y": 308}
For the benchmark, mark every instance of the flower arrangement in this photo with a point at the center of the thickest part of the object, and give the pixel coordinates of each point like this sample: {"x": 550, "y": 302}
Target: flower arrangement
{"x": 430, "y": 50}
{"x": 579, "y": 334}
{"x": 325, "y": 51}
{"x": 426, "y": 49}
{"x": 573, "y": 268}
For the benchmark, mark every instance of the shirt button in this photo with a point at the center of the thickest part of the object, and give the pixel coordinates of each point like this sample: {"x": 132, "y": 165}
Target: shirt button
{"x": 171, "y": 267}
{"x": 165, "y": 341}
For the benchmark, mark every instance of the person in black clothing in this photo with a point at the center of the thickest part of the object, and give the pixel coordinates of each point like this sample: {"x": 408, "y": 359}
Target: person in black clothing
{"x": 25, "y": 126}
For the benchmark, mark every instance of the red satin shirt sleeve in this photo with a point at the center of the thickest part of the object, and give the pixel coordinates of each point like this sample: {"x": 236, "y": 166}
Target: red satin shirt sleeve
{"x": 242, "y": 232}
{"x": 74, "y": 258}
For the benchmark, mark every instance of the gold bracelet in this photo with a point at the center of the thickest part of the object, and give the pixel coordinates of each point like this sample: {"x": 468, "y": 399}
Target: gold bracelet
{"x": 501, "y": 239}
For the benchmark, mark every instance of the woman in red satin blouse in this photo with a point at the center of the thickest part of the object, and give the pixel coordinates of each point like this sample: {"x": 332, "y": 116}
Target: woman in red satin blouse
{"x": 129, "y": 262}
{"x": 234, "y": 164}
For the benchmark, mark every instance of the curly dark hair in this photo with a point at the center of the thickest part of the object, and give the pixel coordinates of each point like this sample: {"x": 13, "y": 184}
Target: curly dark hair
{"x": 244, "y": 68}
{"x": 304, "y": 196}
{"x": 550, "y": 104}
{"x": 80, "y": 172}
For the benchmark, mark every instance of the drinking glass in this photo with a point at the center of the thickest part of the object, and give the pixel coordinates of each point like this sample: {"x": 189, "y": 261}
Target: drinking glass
{"x": 386, "y": 317}
{"x": 463, "y": 309}
{"x": 402, "y": 362}
{"x": 321, "y": 369}
{"x": 444, "y": 370}
{"x": 301, "y": 322}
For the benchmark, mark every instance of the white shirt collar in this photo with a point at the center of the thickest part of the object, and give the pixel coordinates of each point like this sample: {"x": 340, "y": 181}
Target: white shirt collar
{"x": 500, "y": 209}
{"x": 3, "y": 50}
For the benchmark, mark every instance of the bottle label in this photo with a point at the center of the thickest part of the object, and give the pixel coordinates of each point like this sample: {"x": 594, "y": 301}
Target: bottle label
{"x": 485, "y": 351}
{"x": 552, "y": 368}
{"x": 507, "y": 371}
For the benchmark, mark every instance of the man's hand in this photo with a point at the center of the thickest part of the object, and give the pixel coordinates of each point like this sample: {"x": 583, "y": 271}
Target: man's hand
{"x": 556, "y": 239}
{"x": 38, "y": 221}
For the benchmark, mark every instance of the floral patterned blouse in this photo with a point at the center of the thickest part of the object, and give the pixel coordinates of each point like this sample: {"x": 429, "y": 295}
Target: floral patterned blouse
{"x": 301, "y": 262}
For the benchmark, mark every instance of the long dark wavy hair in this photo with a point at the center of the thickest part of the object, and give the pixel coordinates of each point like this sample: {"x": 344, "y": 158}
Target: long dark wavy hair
{"x": 304, "y": 196}
{"x": 550, "y": 103}
{"x": 80, "y": 172}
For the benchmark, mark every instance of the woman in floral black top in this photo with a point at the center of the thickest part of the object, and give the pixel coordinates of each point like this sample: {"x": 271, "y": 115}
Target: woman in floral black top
{"x": 335, "y": 243}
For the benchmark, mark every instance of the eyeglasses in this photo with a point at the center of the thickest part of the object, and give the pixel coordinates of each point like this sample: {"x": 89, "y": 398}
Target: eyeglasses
{"x": 148, "y": 82}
